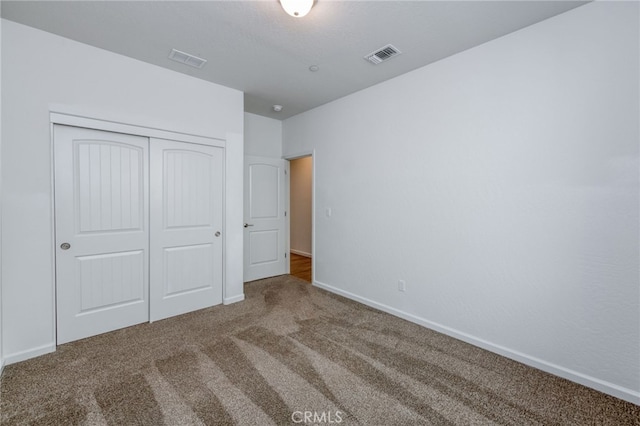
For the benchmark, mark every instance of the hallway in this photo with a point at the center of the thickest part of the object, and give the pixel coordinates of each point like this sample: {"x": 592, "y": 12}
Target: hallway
{"x": 301, "y": 267}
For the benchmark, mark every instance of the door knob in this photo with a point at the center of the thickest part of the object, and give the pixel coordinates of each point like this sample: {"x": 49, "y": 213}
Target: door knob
{"x": 217, "y": 233}
{"x": 246, "y": 225}
{"x": 65, "y": 246}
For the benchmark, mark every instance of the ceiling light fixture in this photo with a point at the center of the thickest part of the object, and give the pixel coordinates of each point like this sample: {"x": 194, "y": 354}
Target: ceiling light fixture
{"x": 277, "y": 108}
{"x": 297, "y": 8}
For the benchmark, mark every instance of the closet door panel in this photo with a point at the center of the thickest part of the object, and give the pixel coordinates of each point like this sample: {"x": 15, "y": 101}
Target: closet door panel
{"x": 186, "y": 227}
{"x": 102, "y": 233}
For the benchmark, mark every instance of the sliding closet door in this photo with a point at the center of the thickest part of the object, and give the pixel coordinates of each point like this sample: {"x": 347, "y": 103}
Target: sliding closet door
{"x": 186, "y": 227}
{"x": 102, "y": 233}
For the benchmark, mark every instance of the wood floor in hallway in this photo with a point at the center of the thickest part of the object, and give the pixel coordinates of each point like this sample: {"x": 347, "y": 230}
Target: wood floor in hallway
{"x": 301, "y": 267}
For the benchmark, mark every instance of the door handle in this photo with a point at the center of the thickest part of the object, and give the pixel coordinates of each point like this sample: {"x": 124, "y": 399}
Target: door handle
{"x": 65, "y": 246}
{"x": 246, "y": 225}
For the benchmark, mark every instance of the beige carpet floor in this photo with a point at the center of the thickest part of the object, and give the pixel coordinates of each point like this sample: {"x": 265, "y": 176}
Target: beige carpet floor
{"x": 288, "y": 353}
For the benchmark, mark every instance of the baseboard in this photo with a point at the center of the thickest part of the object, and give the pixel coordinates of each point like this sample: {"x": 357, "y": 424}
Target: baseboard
{"x": 301, "y": 253}
{"x": 574, "y": 376}
{"x": 30, "y": 353}
{"x": 233, "y": 299}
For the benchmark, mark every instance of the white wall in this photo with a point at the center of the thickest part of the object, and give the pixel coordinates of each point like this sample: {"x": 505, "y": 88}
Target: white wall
{"x": 1, "y": 356}
{"x": 300, "y": 205}
{"x": 41, "y": 72}
{"x": 262, "y": 136}
{"x": 502, "y": 184}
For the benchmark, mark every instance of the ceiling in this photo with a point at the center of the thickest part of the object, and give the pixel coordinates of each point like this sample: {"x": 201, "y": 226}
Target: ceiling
{"x": 255, "y": 47}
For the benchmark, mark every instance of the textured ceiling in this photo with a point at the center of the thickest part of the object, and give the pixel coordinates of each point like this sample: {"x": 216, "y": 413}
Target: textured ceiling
{"x": 255, "y": 47}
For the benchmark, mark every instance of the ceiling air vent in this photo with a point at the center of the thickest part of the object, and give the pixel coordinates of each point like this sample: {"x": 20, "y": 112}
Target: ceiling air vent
{"x": 384, "y": 53}
{"x": 187, "y": 59}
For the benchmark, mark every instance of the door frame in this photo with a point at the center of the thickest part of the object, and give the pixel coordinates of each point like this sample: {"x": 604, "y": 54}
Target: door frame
{"x": 62, "y": 117}
{"x": 312, "y": 154}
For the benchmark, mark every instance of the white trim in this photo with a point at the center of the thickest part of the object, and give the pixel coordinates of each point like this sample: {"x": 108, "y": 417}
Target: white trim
{"x": 30, "y": 353}
{"x": 224, "y": 225}
{"x": 301, "y": 253}
{"x": 58, "y": 117}
{"x": 313, "y": 215}
{"x": 233, "y": 299}
{"x": 52, "y": 224}
{"x": 600, "y": 385}
{"x": 287, "y": 209}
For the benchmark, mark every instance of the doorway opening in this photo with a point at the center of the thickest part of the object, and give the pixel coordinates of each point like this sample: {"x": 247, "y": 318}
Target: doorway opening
{"x": 301, "y": 217}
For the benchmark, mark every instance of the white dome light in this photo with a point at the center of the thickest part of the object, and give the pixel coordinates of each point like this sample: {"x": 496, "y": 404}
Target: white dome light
{"x": 297, "y": 8}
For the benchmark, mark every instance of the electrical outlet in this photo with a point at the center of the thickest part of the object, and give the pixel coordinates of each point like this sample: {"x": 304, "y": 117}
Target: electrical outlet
{"x": 402, "y": 286}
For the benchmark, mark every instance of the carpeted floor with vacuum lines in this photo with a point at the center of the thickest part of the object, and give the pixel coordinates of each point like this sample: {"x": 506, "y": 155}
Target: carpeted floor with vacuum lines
{"x": 291, "y": 354}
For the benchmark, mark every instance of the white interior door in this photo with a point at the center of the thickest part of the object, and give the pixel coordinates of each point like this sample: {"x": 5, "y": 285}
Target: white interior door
{"x": 264, "y": 206}
{"x": 186, "y": 227}
{"x": 102, "y": 233}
